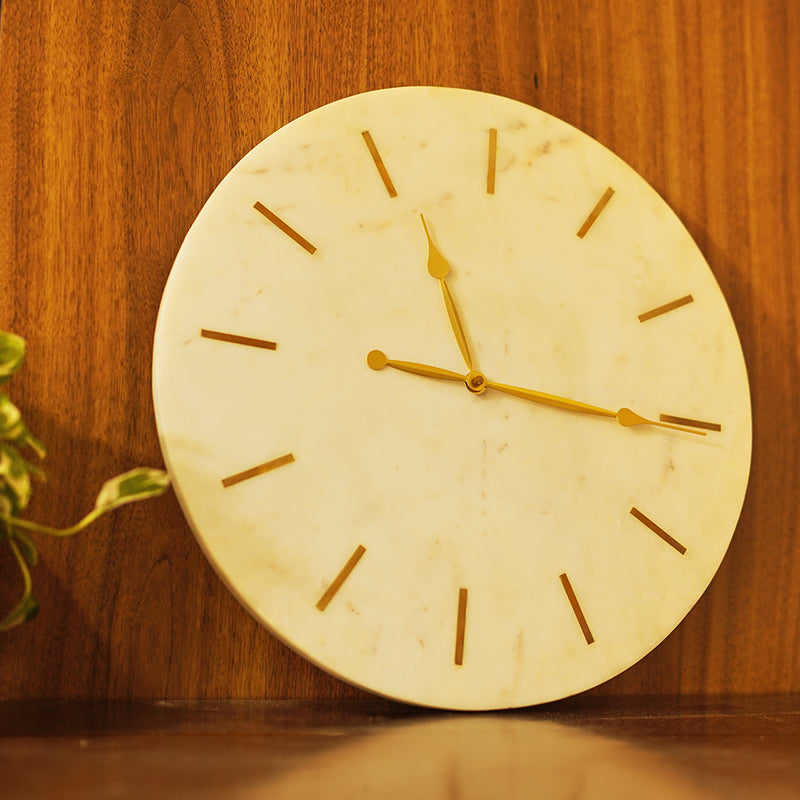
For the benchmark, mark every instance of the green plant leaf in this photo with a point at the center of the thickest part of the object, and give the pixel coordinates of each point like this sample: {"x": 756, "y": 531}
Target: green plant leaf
{"x": 12, "y": 354}
{"x": 13, "y": 429}
{"x": 137, "y": 484}
{"x": 10, "y": 418}
{"x": 15, "y": 481}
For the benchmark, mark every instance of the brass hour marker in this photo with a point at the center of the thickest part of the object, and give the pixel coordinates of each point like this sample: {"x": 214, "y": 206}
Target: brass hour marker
{"x": 259, "y": 470}
{"x": 576, "y": 608}
{"x": 287, "y": 229}
{"x": 376, "y": 157}
{"x": 595, "y": 212}
{"x": 671, "y": 306}
{"x": 326, "y": 598}
{"x": 492, "y": 161}
{"x": 221, "y": 336}
{"x": 461, "y": 626}
{"x": 692, "y": 423}
{"x": 647, "y": 522}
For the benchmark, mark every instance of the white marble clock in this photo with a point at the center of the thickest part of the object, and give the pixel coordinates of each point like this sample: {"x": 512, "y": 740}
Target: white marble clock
{"x": 451, "y": 399}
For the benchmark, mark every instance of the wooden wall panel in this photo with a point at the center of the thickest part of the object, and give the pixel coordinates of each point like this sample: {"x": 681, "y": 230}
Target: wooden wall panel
{"x": 118, "y": 118}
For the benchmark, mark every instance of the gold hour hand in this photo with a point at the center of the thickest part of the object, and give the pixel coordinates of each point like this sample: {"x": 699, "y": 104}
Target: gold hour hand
{"x": 378, "y": 360}
{"x": 439, "y": 268}
{"x": 624, "y": 416}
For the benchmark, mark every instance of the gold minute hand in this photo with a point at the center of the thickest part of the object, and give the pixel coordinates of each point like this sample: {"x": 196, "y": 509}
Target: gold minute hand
{"x": 624, "y": 416}
{"x": 439, "y": 268}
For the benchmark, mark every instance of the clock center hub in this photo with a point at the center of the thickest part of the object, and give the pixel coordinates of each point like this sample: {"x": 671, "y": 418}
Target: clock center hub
{"x": 476, "y": 382}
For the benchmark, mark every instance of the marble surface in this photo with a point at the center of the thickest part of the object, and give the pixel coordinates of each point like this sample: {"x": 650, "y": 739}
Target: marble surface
{"x": 444, "y": 490}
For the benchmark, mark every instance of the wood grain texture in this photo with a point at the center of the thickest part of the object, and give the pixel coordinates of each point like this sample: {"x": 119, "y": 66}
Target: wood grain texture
{"x": 662, "y": 749}
{"x": 119, "y": 118}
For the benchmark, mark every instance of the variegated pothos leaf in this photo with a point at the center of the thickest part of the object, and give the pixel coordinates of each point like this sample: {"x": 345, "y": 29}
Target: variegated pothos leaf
{"x": 15, "y": 481}
{"x": 12, "y": 354}
{"x": 136, "y": 484}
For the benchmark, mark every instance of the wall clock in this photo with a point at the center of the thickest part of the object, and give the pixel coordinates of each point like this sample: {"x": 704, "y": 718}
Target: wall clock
{"x": 451, "y": 400}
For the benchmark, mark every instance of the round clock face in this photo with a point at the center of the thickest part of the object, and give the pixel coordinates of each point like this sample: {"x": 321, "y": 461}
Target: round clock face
{"x": 451, "y": 399}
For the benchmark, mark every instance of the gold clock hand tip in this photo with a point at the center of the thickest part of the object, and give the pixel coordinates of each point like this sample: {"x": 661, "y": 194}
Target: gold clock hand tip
{"x": 439, "y": 268}
{"x": 437, "y": 263}
{"x": 425, "y": 225}
{"x": 627, "y": 418}
{"x": 377, "y": 359}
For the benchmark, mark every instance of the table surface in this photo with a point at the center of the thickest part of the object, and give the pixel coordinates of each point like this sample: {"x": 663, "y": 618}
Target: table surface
{"x": 117, "y": 121}
{"x": 598, "y": 749}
